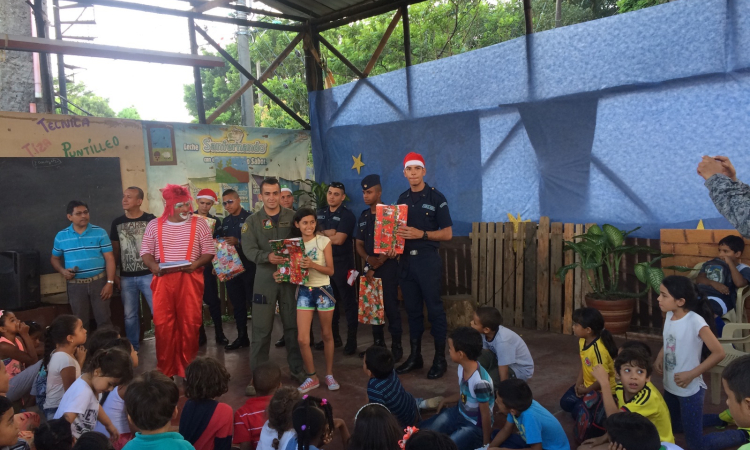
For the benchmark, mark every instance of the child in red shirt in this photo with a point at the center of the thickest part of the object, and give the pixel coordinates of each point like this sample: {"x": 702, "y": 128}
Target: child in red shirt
{"x": 249, "y": 419}
{"x": 206, "y": 423}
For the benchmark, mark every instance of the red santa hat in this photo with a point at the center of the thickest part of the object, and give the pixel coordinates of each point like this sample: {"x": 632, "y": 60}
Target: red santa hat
{"x": 172, "y": 195}
{"x": 207, "y": 194}
{"x": 413, "y": 159}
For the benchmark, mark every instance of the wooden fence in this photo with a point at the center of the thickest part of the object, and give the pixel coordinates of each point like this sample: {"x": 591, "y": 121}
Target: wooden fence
{"x": 514, "y": 267}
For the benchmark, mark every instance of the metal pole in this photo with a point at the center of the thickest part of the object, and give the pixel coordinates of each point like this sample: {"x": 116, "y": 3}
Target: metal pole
{"x": 61, "y": 82}
{"x": 529, "y": 16}
{"x": 48, "y": 91}
{"x": 197, "y": 75}
{"x": 243, "y": 53}
{"x": 257, "y": 71}
{"x": 407, "y": 34}
{"x": 558, "y": 14}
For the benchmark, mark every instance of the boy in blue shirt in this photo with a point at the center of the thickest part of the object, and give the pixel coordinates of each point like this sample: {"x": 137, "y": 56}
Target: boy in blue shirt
{"x": 469, "y": 424}
{"x": 505, "y": 354}
{"x": 151, "y": 403}
{"x": 529, "y": 425}
{"x": 385, "y": 388}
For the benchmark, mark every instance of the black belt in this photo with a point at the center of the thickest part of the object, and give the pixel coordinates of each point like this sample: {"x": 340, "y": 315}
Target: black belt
{"x": 421, "y": 251}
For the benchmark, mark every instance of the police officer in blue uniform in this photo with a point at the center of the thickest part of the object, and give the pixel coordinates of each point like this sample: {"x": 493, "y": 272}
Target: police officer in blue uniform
{"x": 383, "y": 266}
{"x": 338, "y": 224}
{"x": 428, "y": 223}
{"x": 239, "y": 288}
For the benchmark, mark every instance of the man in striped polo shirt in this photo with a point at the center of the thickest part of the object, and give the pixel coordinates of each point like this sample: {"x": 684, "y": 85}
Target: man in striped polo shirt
{"x": 89, "y": 265}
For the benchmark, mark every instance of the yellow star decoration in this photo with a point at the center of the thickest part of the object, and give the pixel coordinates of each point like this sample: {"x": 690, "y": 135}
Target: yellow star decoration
{"x": 700, "y": 225}
{"x": 516, "y": 221}
{"x": 358, "y": 164}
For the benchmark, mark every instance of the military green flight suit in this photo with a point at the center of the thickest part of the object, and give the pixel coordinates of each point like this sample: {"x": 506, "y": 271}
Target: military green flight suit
{"x": 256, "y": 232}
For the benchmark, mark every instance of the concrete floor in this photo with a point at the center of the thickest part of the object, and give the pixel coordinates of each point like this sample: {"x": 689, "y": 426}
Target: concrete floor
{"x": 555, "y": 357}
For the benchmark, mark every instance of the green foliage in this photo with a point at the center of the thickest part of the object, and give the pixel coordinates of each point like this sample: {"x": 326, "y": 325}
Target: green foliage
{"x": 632, "y": 5}
{"x": 601, "y": 251}
{"x": 97, "y": 106}
{"x": 317, "y": 193}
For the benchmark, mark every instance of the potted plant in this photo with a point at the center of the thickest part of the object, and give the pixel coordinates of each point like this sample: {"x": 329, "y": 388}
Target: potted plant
{"x": 601, "y": 250}
{"x": 317, "y": 193}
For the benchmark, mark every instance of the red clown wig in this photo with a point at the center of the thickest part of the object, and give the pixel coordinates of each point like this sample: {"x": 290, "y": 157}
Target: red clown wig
{"x": 174, "y": 194}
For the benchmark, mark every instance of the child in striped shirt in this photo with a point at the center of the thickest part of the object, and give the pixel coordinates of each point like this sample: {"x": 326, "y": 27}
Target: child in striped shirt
{"x": 385, "y": 388}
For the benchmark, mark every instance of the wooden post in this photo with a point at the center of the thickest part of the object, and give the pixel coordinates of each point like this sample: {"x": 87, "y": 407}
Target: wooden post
{"x": 558, "y": 14}
{"x": 199, "y": 105}
{"x": 529, "y": 276}
{"x": 407, "y": 34}
{"x": 509, "y": 280}
{"x": 578, "y": 276}
{"x": 497, "y": 293}
{"x": 542, "y": 275}
{"x": 568, "y": 234}
{"x": 489, "y": 296}
{"x": 341, "y": 57}
{"x": 482, "y": 300}
{"x": 381, "y": 45}
{"x": 519, "y": 246}
{"x": 555, "y": 295}
{"x": 475, "y": 261}
{"x": 528, "y": 15}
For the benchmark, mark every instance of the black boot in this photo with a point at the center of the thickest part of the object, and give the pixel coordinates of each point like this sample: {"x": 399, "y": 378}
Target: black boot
{"x": 396, "y": 348}
{"x": 414, "y": 361}
{"x": 351, "y": 343}
{"x": 280, "y": 343}
{"x": 439, "y": 364}
{"x": 202, "y": 339}
{"x": 219, "y": 332}
{"x": 379, "y": 339}
{"x": 241, "y": 341}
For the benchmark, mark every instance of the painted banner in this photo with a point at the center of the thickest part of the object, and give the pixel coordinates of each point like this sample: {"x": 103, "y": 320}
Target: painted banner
{"x": 221, "y": 157}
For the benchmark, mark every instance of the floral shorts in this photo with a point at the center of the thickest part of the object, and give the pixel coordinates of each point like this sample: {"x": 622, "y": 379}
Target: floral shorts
{"x": 312, "y": 298}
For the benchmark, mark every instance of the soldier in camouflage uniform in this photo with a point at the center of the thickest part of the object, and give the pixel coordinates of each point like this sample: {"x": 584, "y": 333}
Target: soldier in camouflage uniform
{"x": 731, "y": 196}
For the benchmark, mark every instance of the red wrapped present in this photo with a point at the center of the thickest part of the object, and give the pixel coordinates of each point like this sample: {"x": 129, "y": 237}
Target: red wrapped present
{"x": 371, "y": 309}
{"x": 294, "y": 249}
{"x": 387, "y": 222}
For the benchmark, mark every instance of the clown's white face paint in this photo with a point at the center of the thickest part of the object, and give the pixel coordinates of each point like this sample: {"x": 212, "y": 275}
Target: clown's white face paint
{"x": 184, "y": 216}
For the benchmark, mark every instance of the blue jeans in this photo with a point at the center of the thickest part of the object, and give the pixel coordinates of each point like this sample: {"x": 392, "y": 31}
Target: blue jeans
{"x": 132, "y": 288}
{"x": 450, "y": 421}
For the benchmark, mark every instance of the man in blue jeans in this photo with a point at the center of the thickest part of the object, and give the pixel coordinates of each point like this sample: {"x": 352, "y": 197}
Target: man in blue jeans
{"x": 126, "y": 235}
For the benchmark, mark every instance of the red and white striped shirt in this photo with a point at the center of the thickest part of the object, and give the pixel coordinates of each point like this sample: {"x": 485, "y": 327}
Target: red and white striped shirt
{"x": 176, "y": 240}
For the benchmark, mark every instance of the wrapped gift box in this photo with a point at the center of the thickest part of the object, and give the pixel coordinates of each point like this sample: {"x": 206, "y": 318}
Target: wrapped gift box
{"x": 294, "y": 249}
{"x": 387, "y": 222}
{"x": 227, "y": 262}
{"x": 371, "y": 309}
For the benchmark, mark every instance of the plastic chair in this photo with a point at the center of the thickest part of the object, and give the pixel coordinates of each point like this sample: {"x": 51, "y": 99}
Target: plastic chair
{"x": 728, "y": 342}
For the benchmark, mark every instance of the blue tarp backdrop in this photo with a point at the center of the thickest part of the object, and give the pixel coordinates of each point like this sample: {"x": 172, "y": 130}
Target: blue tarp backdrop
{"x": 604, "y": 121}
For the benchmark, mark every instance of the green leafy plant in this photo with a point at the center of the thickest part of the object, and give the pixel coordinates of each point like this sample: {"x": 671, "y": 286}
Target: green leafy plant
{"x": 318, "y": 193}
{"x": 601, "y": 250}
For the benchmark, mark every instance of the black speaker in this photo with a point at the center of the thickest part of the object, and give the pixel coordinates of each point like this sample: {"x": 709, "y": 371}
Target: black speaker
{"x": 19, "y": 280}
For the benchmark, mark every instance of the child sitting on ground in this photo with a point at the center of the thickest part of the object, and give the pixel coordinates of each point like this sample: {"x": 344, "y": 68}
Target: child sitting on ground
{"x": 249, "y": 419}
{"x": 429, "y": 440}
{"x": 632, "y": 431}
{"x": 113, "y": 403}
{"x": 529, "y": 425}
{"x": 736, "y": 381}
{"x": 80, "y": 404}
{"x": 635, "y": 393}
{"x": 8, "y": 429}
{"x": 314, "y": 425}
{"x": 151, "y": 402}
{"x": 469, "y": 423}
{"x": 504, "y": 354}
{"x": 206, "y": 423}
{"x": 53, "y": 435}
{"x": 385, "y": 388}
{"x": 720, "y": 277}
{"x": 63, "y": 357}
{"x": 375, "y": 428}
{"x": 93, "y": 440}
{"x": 278, "y": 429}
{"x": 19, "y": 355}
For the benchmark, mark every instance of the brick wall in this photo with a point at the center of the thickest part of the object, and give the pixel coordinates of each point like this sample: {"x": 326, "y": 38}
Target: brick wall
{"x": 691, "y": 247}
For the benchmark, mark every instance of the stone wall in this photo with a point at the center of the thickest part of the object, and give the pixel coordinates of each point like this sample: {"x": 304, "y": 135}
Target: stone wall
{"x": 16, "y": 68}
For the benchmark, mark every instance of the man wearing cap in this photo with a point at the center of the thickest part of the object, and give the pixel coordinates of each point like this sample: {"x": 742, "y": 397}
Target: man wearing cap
{"x": 175, "y": 237}
{"x": 206, "y": 199}
{"x": 126, "y": 235}
{"x": 239, "y": 288}
{"x": 287, "y": 198}
{"x": 337, "y": 223}
{"x": 89, "y": 265}
{"x": 428, "y": 223}
{"x": 272, "y": 222}
{"x": 381, "y": 266}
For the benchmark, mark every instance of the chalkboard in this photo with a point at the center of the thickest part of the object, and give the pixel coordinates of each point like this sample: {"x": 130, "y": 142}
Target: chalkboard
{"x": 36, "y": 191}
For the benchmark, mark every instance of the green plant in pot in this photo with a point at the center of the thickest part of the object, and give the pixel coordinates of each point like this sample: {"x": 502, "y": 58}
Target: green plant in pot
{"x": 601, "y": 250}
{"x": 317, "y": 193}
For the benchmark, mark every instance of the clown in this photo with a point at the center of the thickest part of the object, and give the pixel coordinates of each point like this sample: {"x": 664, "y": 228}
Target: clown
{"x": 177, "y": 293}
